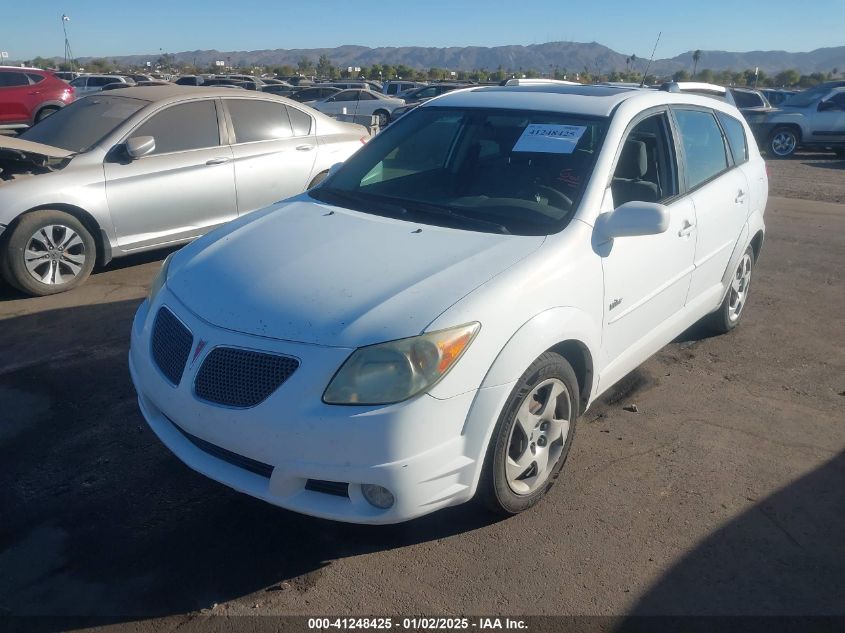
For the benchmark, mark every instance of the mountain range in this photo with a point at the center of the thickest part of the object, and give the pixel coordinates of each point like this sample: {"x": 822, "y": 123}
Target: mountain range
{"x": 572, "y": 56}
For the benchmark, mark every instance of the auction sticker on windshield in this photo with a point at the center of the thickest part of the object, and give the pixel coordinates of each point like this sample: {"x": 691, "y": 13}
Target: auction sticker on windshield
{"x": 549, "y": 138}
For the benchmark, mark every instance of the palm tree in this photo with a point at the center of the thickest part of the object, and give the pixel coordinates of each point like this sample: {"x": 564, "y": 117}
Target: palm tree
{"x": 696, "y": 57}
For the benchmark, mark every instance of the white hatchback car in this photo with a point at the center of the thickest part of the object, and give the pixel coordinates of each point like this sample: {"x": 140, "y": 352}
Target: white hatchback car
{"x": 428, "y": 324}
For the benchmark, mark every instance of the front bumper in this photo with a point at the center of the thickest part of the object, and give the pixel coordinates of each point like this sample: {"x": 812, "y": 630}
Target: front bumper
{"x": 415, "y": 449}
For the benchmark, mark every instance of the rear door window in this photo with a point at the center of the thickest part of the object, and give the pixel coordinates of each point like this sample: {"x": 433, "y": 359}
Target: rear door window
{"x": 183, "y": 127}
{"x": 300, "y": 122}
{"x": 704, "y": 147}
{"x": 255, "y": 120}
{"x": 347, "y": 95}
{"x": 736, "y": 137}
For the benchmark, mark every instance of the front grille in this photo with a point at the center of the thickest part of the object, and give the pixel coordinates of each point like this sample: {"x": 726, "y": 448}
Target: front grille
{"x": 171, "y": 344}
{"x": 241, "y": 378}
{"x": 252, "y": 465}
{"x": 336, "y": 488}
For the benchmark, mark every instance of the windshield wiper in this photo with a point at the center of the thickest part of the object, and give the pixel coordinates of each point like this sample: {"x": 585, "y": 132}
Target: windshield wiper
{"x": 447, "y": 211}
{"x": 357, "y": 202}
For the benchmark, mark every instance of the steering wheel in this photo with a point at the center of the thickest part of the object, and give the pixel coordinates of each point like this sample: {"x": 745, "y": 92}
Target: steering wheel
{"x": 556, "y": 198}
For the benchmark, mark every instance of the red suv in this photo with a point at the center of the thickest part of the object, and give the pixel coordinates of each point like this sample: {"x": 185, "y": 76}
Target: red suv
{"x": 27, "y": 95}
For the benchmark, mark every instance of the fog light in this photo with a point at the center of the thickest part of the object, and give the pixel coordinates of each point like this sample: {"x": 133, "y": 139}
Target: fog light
{"x": 378, "y": 496}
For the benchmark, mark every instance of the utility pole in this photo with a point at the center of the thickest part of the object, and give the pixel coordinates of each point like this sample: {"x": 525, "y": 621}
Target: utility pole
{"x": 68, "y": 53}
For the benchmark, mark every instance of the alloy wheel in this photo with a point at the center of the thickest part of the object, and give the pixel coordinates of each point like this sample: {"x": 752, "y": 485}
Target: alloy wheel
{"x": 783, "y": 143}
{"x": 55, "y": 254}
{"x": 538, "y": 436}
{"x": 739, "y": 288}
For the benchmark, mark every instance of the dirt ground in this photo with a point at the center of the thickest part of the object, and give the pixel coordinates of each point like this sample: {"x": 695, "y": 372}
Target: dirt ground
{"x": 723, "y": 495}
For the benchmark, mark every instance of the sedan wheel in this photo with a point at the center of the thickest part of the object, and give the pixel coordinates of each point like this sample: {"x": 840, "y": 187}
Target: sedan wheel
{"x": 383, "y": 117}
{"x": 783, "y": 142}
{"x": 55, "y": 254}
{"x": 48, "y": 252}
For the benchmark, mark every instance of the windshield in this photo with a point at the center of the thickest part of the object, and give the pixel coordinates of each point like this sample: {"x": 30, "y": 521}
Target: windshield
{"x": 803, "y": 99}
{"x": 82, "y": 124}
{"x": 500, "y": 171}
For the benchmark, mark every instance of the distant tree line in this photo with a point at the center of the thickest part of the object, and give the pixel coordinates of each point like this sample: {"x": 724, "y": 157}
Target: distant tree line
{"x": 324, "y": 68}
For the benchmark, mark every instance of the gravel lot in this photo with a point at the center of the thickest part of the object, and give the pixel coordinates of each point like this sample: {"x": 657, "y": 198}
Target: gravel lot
{"x": 809, "y": 176}
{"x": 723, "y": 495}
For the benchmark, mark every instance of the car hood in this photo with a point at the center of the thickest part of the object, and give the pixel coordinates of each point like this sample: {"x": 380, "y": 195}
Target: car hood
{"x": 313, "y": 273}
{"x": 28, "y": 147}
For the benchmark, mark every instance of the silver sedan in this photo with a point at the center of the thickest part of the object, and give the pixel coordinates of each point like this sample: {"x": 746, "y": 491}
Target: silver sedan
{"x": 139, "y": 168}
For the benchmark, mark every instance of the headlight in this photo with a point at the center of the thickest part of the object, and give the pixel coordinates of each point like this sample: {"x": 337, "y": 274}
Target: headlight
{"x": 161, "y": 278}
{"x": 395, "y": 371}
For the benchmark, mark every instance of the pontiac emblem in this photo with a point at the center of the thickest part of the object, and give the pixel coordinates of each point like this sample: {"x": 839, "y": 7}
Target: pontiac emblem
{"x": 197, "y": 350}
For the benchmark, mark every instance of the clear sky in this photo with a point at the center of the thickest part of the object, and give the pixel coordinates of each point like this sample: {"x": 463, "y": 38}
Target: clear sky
{"x": 119, "y": 27}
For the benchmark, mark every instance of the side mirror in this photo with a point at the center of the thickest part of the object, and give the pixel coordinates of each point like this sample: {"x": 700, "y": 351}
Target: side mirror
{"x": 139, "y": 146}
{"x": 826, "y": 106}
{"x": 634, "y": 218}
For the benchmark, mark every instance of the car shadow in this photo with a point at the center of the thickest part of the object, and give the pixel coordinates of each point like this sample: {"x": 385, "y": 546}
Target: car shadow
{"x": 838, "y": 165}
{"x": 10, "y": 293}
{"x": 101, "y": 520}
{"x": 781, "y": 557}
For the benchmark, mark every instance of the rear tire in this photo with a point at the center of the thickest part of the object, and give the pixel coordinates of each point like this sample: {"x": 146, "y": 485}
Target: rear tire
{"x": 728, "y": 315}
{"x": 383, "y": 117}
{"x": 43, "y": 113}
{"x": 532, "y": 437}
{"x": 48, "y": 252}
{"x": 318, "y": 179}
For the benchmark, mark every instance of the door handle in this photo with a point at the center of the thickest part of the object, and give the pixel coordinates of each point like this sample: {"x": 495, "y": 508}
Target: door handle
{"x": 740, "y": 196}
{"x": 304, "y": 148}
{"x": 686, "y": 229}
{"x": 217, "y": 161}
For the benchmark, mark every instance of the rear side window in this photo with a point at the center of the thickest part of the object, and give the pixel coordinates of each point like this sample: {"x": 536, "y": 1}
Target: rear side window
{"x": 736, "y": 138}
{"x": 704, "y": 147}
{"x": 255, "y": 120}
{"x": 747, "y": 99}
{"x": 300, "y": 122}
{"x": 10, "y": 80}
{"x": 183, "y": 127}
{"x": 34, "y": 78}
{"x": 79, "y": 82}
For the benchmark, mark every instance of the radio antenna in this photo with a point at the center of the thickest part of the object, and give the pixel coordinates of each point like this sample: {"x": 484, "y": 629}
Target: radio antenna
{"x": 645, "y": 74}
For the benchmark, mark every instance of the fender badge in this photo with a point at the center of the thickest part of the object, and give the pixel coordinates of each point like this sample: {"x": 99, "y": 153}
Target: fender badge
{"x": 615, "y": 303}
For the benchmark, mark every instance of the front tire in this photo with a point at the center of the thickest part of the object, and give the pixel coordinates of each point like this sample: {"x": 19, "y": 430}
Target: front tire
{"x": 783, "y": 142}
{"x": 48, "y": 252}
{"x": 532, "y": 437}
{"x": 728, "y": 315}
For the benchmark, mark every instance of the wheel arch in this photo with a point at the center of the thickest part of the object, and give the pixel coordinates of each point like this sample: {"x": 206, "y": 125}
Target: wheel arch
{"x": 567, "y": 331}
{"x": 757, "y": 243}
{"x": 101, "y": 239}
{"x": 793, "y": 125}
{"x": 578, "y": 355}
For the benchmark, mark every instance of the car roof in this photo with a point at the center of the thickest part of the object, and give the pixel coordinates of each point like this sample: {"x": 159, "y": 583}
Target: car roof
{"x": 587, "y": 100}
{"x": 175, "y": 92}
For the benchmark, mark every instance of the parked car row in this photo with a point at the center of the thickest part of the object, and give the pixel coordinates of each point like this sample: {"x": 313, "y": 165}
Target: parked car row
{"x": 137, "y": 168}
